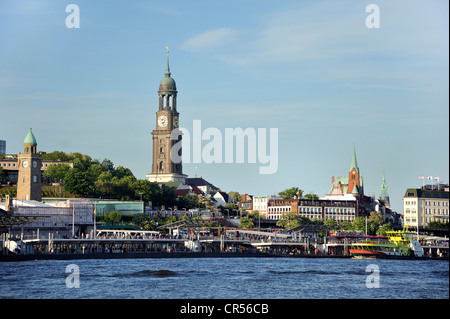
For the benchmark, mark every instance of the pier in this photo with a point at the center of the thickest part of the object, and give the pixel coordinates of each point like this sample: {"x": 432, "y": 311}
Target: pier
{"x": 153, "y": 244}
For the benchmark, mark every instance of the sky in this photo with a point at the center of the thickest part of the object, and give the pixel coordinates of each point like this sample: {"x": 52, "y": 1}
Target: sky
{"x": 313, "y": 70}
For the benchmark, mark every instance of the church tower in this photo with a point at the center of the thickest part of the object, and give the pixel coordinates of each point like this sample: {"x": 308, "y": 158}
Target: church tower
{"x": 354, "y": 179}
{"x": 165, "y": 170}
{"x": 29, "y": 179}
{"x": 384, "y": 191}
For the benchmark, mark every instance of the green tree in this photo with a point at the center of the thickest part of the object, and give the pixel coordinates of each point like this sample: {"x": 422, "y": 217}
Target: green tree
{"x": 359, "y": 224}
{"x": 374, "y": 221}
{"x": 57, "y": 173}
{"x": 76, "y": 182}
{"x": 288, "y": 220}
{"x": 311, "y": 196}
{"x": 383, "y": 229}
{"x": 246, "y": 222}
{"x": 291, "y": 192}
{"x": 330, "y": 222}
{"x": 114, "y": 217}
{"x": 235, "y": 195}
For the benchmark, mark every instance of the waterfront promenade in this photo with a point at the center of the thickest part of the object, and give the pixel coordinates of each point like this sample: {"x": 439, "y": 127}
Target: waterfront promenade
{"x": 142, "y": 244}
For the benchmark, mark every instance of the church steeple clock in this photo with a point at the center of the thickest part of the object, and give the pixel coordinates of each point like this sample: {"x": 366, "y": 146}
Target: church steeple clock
{"x": 29, "y": 179}
{"x": 167, "y": 119}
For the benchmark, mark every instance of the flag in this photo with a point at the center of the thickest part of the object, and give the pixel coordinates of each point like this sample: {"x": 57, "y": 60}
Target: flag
{"x": 94, "y": 211}
{"x": 436, "y": 178}
{"x": 430, "y": 178}
{"x": 73, "y": 209}
{"x": 421, "y": 177}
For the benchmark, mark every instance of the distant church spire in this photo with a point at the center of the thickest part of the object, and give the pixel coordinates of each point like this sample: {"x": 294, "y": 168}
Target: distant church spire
{"x": 384, "y": 189}
{"x": 354, "y": 163}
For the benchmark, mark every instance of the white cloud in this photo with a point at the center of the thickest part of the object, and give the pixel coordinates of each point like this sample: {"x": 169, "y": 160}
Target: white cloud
{"x": 210, "y": 40}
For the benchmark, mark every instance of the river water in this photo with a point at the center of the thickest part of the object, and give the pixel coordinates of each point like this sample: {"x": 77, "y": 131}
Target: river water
{"x": 225, "y": 278}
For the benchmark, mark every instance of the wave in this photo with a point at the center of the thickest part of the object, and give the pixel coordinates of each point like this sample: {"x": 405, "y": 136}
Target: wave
{"x": 311, "y": 271}
{"x": 148, "y": 273}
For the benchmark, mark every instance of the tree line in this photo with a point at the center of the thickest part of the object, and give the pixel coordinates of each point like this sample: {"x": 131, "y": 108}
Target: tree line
{"x": 100, "y": 179}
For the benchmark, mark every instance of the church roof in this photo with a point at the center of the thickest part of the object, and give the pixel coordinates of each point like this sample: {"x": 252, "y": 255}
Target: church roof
{"x": 30, "y": 139}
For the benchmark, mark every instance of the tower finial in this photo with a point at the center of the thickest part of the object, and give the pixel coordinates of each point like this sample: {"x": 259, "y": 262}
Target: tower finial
{"x": 167, "y": 69}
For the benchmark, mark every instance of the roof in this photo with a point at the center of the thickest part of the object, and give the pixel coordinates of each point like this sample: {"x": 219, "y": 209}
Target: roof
{"x": 189, "y": 223}
{"x": 181, "y": 192}
{"x": 223, "y": 194}
{"x": 30, "y": 139}
{"x": 417, "y": 192}
{"x": 198, "y": 181}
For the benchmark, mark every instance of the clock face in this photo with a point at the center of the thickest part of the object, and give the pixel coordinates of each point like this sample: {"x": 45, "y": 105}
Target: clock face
{"x": 162, "y": 121}
{"x": 25, "y": 163}
{"x": 34, "y": 164}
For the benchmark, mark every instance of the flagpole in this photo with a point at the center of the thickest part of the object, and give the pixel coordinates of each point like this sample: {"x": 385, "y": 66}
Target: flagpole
{"x": 95, "y": 230}
{"x": 73, "y": 220}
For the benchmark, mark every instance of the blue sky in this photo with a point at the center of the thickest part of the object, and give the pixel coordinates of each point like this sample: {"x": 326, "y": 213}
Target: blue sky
{"x": 312, "y": 69}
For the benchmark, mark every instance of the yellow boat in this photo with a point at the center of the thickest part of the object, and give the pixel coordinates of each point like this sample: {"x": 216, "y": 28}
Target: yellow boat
{"x": 400, "y": 244}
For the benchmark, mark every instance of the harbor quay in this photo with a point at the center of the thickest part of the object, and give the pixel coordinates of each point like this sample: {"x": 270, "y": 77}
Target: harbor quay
{"x": 107, "y": 244}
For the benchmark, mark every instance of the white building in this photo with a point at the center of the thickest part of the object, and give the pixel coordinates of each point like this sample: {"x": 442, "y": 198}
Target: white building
{"x": 260, "y": 203}
{"x": 422, "y": 206}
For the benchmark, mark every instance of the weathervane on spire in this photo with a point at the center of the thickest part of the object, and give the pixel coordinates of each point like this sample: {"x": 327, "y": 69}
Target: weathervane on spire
{"x": 167, "y": 48}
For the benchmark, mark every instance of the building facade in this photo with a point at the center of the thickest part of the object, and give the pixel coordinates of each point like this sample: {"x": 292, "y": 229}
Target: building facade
{"x": 422, "y": 206}
{"x": 339, "y": 210}
{"x": 164, "y": 168}
{"x": 2, "y": 147}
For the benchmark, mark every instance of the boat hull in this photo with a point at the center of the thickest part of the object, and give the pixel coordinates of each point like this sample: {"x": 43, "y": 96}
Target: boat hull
{"x": 367, "y": 253}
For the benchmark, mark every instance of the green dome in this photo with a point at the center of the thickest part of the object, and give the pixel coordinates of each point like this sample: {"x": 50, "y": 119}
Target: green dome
{"x": 167, "y": 84}
{"x": 30, "y": 139}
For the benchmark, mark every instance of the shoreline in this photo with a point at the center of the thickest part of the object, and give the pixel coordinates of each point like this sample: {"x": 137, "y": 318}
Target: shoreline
{"x": 28, "y": 257}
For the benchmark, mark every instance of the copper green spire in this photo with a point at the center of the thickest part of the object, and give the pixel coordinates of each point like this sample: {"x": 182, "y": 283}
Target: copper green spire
{"x": 384, "y": 188}
{"x": 30, "y": 139}
{"x": 354, "y": 163}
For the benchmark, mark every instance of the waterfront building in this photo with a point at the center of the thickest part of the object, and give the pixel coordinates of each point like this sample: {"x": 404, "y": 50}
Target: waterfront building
{"x": 164, "y": 170}
{"x": 342, "y": 209}
{"x": 246, "y": 203}
{"x": 10, "y": 168}
{"x": 59, "y": 218}
{"x": 424, "y": 205}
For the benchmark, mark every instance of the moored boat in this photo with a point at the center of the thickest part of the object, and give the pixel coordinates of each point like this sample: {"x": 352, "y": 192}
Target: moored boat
{"x": 399, "y": 244}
